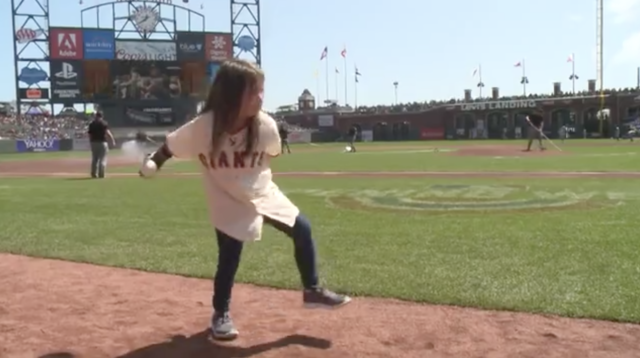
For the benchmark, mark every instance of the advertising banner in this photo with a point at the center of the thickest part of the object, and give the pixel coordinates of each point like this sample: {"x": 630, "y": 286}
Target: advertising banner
{"x": 299, "y": 137}
{"x": 25, "y": 35}
{"x": 149, "y": 116}
{"x": 99, "y": 44}
{"x": 66, "y": 80}
{"x": 134, "y": 80}
{"x": 218, "y": 46}
{"x": 367, "y": 135}
{"x": 65, "y": 44}
{"x": 32, "y": 75}
{"x": 190, "y": 46}
{"x": 146, "y": 51}
{"x": 34, "y": 93}
{"x": 432, "y": 133}
{"x": 450, "y": 133}
{"x": 37, "y": 145}
{"x": 325, "y": 120}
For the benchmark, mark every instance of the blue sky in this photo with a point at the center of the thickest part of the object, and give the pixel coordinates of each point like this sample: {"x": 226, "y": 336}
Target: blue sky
{"x": 429, "y": 47}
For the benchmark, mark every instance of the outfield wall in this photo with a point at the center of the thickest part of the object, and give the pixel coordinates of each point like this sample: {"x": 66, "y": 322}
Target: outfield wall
{"x": 7, "y": 146}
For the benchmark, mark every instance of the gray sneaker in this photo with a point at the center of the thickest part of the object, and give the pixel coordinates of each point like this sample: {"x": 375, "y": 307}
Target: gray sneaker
{"x": 323, "y": 298}
{"x": 222, "y": 327}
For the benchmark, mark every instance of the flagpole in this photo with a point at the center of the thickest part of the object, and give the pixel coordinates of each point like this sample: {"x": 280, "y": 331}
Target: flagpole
{"x": 345, "y": 80}
{"x": 355, "y": 90}
{"x": 318, "y": 84}
{"x": 337, "y": 73}
{"x": 480, "y": 80}
{"x": 573, "y": 72}
{"x": 524, "y": 79}
{"x": 326, "y": 60}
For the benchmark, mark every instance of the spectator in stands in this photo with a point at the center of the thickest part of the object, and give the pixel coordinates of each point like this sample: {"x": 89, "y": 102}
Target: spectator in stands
{"x": 41, "y": 126}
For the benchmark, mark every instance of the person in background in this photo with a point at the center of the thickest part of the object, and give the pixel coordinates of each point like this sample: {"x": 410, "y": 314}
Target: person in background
{"x": 353, "y": 135}
{"x": 99, "y": 133}
{"x": 632, "y": 132}
{"x": 284, "y": 135}
{"x": 563, "y": 133}
{"x": 536, "y": 125}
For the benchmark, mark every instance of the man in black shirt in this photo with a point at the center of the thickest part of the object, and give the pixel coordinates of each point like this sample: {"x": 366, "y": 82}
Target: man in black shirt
{"x": 284, "y": 135}
{"x": 99, "y": 133}
{"x": 536, "y": 125}
{"x": 353, "y": 135}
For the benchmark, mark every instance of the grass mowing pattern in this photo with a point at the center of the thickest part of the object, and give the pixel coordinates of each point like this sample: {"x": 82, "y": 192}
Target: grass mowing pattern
{"x": 405, "y": 157}
{"x": 578, "y": 262}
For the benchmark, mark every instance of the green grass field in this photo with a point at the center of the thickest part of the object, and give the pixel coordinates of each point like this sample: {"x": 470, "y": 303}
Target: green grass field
{"x": 565, "y": 246}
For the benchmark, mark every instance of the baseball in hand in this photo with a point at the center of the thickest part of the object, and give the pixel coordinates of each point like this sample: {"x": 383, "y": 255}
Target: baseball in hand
{"x": 148, "y": 169}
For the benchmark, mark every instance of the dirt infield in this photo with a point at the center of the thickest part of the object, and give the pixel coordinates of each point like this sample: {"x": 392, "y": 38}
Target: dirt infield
{"x": 89, "y": 311}
{"x": 503, "y": 151}
{"x": 360, "y": 174}
{"x": 81, "y": 165}
{"x": 52, "y": 308}
{"x": 57, "y": 165}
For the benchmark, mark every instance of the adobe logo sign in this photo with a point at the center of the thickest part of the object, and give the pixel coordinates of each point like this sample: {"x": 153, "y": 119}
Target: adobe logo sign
{"x": 66, "y": 44}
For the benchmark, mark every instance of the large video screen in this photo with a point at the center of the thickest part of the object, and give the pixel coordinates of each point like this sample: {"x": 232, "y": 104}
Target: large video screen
{"x": 96, "y": 83}
{"x": 146, "y": 80}
{"x": 194, "y": 78}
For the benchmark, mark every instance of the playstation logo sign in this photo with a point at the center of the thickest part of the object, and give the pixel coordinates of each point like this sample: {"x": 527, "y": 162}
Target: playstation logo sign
{"x": 66, "y": 80}
{"x": 67, "y": 72}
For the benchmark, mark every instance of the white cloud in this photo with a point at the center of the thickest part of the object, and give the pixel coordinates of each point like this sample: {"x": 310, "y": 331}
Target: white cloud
{"x": 630, "y": 51}
{"x": 623, "y": 10}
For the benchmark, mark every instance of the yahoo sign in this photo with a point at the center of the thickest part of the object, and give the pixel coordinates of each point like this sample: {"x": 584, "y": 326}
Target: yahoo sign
{"x": 37, "y": 145}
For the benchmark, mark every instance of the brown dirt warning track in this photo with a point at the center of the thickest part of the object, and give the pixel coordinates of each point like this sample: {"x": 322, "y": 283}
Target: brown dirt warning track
{"x": 52, "y": 308}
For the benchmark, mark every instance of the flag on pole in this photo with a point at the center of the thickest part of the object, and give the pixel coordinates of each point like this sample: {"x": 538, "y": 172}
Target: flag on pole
{"x": 337, "y": 72}
{"x": 573, "y": 76}
{"x": 518, "y": 64}
{"x": 343, "y": 53}
{"x": 357, "y": 74}
{"x": 324, "y": 54}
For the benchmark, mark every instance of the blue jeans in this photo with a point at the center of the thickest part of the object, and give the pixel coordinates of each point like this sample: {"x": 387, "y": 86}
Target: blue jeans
{"x": 230, "y": 250}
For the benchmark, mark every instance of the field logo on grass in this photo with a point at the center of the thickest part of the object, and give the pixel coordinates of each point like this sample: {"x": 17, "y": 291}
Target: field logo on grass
{"x": 470, "y": 198}
{"x": 455, "y": 198}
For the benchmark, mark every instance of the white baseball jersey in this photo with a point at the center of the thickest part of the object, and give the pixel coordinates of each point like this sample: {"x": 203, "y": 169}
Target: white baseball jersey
{"x": 239, "y": 188}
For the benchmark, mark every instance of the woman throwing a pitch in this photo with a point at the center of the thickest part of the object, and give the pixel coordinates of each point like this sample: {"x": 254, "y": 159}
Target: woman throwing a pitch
{"x": 234, "y": 142}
